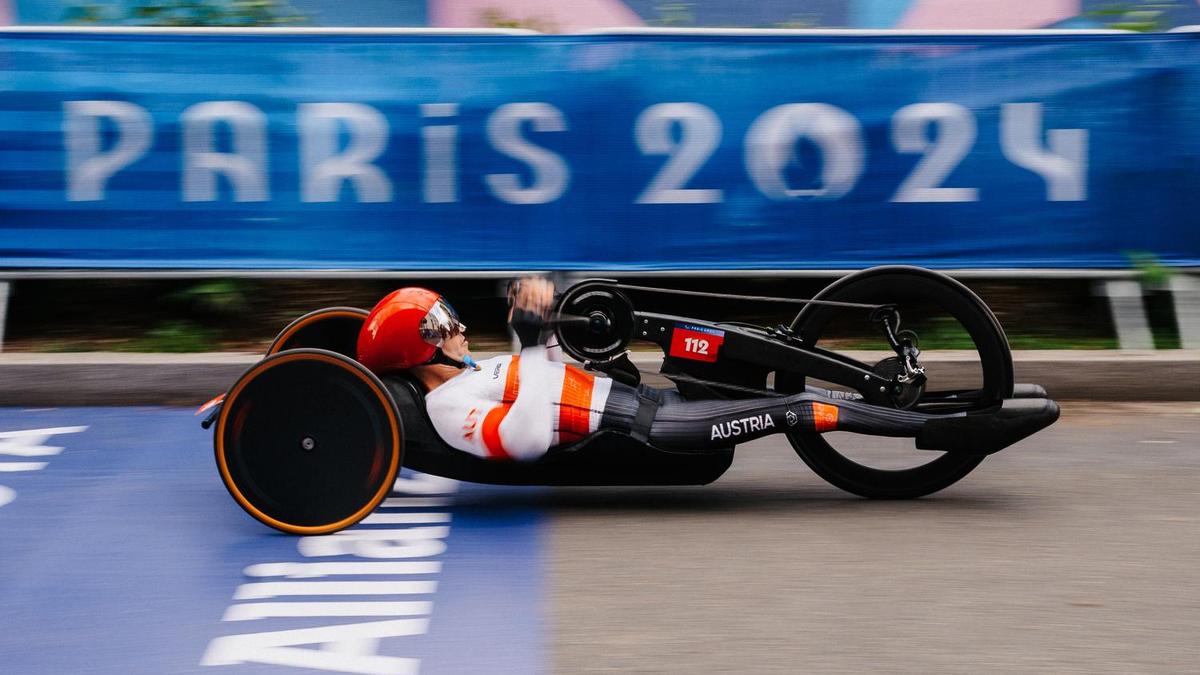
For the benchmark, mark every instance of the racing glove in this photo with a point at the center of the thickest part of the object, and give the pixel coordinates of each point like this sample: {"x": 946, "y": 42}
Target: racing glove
{"x": 528, "y": 327}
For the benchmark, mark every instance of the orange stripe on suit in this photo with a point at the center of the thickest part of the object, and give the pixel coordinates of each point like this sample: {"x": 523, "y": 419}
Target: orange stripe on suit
{"x": 512, "y": 381}
{"x": 575, "y": 409}
{"x": 491, "y": 423}
{"x": 491, "y": 431}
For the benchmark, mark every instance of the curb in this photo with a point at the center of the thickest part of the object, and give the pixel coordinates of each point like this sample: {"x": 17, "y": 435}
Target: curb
{"x": 103, "y": 378}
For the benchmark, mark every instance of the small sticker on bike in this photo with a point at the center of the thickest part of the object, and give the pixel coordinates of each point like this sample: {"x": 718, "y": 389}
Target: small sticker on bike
{"x": 698, "y": 343}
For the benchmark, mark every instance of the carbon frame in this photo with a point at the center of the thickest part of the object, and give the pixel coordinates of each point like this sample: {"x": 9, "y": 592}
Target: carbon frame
{"x": 746, "y": 354}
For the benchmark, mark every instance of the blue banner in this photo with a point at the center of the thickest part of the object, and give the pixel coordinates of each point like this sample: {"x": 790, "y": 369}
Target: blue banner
{"x": 621, "y": 152}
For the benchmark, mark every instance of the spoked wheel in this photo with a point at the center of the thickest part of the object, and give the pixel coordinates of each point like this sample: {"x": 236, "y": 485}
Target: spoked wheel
{"x": 308, "y": 441}
{"x": 332, "y": 328}
{"x": 952, "y": 325}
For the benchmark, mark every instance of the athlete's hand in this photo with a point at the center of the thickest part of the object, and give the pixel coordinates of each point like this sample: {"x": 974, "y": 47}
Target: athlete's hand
{"x": 531, "y": 298}
{"x": 534, "y": 295}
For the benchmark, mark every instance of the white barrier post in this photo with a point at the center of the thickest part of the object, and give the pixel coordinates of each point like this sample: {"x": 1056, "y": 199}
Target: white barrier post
{"x": 1129, "y": 314}
{"x": 3, "y": 310}
{"x": 1185, "y": 291}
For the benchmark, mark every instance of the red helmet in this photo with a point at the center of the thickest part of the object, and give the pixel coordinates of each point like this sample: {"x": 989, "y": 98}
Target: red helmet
{"x": 405, "y": 329}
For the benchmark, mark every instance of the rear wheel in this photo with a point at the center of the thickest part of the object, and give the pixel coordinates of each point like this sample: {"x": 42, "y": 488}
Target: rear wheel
{"x": 333, "y": 328}
{"x": 968, "y": 364}
{"x": 308, "y": 441}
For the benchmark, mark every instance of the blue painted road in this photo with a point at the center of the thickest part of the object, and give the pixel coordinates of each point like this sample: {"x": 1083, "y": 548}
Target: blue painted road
{"x": 121, "y": 552}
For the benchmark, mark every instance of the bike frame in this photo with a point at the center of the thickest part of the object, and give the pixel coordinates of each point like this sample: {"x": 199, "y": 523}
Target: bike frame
{"x": 738, "y": 346}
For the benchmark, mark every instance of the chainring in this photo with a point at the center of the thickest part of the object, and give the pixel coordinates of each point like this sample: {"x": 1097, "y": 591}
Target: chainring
{"x": 594, "y": 323}
{"x": 903, "y": 396}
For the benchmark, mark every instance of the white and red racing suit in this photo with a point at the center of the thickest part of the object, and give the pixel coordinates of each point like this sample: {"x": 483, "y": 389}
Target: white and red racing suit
{"x": 517, "y": 407}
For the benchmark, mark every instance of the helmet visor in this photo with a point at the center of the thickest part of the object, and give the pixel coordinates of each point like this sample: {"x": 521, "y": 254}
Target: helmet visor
{"x": 440, "y": 324}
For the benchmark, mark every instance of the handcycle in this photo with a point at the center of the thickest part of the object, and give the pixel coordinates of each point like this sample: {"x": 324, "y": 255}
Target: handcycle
{"x": 309, "y": 441}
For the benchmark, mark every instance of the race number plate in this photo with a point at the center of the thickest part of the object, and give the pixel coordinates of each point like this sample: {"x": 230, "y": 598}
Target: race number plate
{"x": 696, "y": 342}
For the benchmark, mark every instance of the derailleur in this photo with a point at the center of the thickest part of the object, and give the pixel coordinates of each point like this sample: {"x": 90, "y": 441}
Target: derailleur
{"x": 906, "y": 371}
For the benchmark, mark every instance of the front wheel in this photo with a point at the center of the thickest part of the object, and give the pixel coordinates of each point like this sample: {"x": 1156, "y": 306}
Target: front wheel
{"x": 968, "y": 363}
{"x": 308, "y": 441}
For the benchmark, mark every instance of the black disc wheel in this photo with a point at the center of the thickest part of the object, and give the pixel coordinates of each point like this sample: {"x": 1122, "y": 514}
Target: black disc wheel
{"x": 333, "y": 328}
{"x": 308, "y": 441}
{"x": 593, "y": 321}
{"x": 967, "y": 361}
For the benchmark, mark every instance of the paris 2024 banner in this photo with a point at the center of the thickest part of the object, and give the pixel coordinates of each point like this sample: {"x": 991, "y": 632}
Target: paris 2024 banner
{"x": 311, "y": 151}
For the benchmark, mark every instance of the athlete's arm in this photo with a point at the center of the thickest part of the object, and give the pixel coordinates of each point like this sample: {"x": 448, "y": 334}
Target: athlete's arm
{"x": 531, "y": 299}
{"x": 526, "y": 428}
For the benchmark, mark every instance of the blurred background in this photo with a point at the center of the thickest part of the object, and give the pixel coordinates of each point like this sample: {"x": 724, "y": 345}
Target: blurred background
{"x": 179, "y": 179}
{"x": 657, "y": 154}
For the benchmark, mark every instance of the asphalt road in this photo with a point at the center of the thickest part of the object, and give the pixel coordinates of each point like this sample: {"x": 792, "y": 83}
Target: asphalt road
{"x": 1076, "y": 551}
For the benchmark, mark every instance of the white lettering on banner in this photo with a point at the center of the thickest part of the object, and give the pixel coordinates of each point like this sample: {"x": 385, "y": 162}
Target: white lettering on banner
{"x": 551, "y": 174}
{"x": 245, "y": 168}
{"x": 342, "y": 142}
{"x": 88, "y": 167}
{"x": 953, "y": 140}
{"x": 771, "y": 146}
{"x": 350, "y": 648}
{"x": 439, "y": 145}
{"x": 1062, "y": 162}
{"x": 699, "y": 136}
{"x": 323, "y": 168}
{"x": 28, "y": 443}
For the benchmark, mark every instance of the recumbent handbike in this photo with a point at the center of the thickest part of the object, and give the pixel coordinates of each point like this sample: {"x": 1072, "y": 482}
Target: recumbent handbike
{"x": 309, "y": 441}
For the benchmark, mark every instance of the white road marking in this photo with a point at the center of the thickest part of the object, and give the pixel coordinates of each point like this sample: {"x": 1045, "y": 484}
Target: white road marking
{"x": 272, "y": 589}
{"x": 51, "y": 431}
{"x": 305, "y": 570}
{"x": 262, "y": 610}
{"x": 402, "y": 533}
{"x": 281, "y": 648}
{"x": 1158, "y": 442}
{"x": 351, "y": 648}
{"x": 413, "y": 502}
{"x": 405, "y": 518}
{"x": 28, "y": 443}
{"x": 21, "y": 466}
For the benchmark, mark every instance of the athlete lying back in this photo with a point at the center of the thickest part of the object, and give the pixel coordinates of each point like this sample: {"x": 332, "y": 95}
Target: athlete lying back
{"x": 519, "y": 406}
